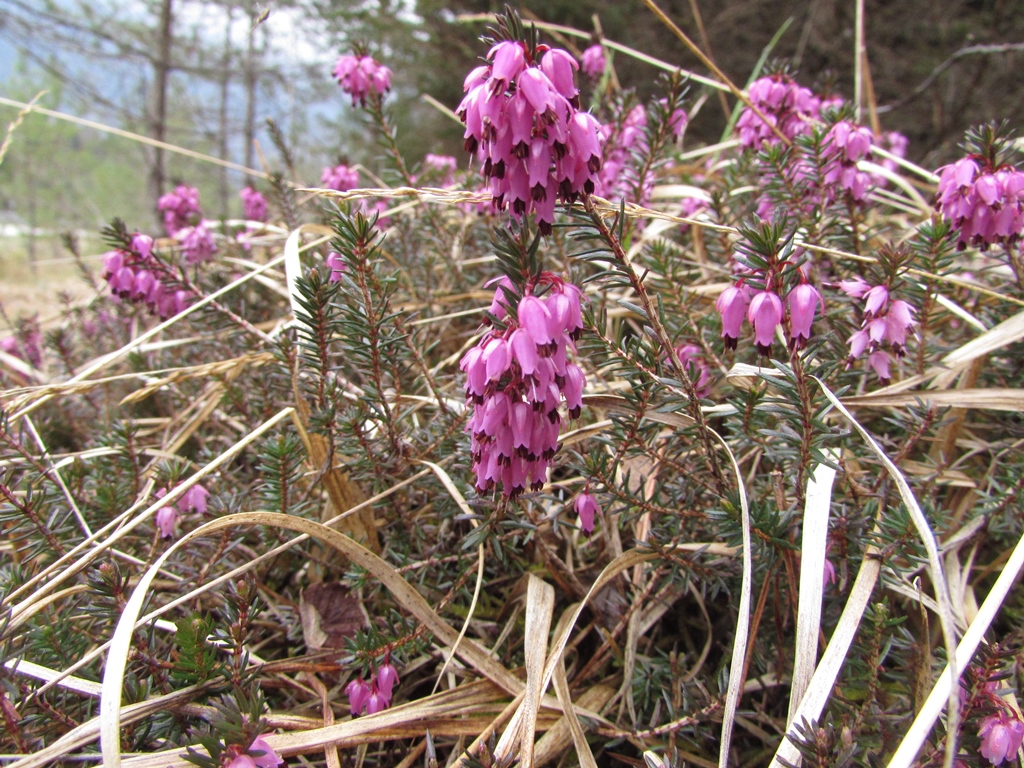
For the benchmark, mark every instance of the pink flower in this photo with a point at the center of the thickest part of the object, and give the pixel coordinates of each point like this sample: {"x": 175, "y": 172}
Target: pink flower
{"x": 828, "y": 575}
{"x": 361, "y": 76}
{"x": 844, "y": 145}
{"x": 516, "y": 381}
{"x": 196, "y": 243}
{"x": 732, "y": 306}
{"x": 593, "y": 61}
{"x": 1001, "y": 737}
{"x": 521, "y": 122}
{"x": 765, "y": 314}
{"x": 167, "y": 522}
{"x": 692, "y": 358}
{"x": 586, "y": 508}
{"x": 803, "y": 303}
{"x": 137, "y": 275}
{"x": 879, "y": 361}
{"x": 875, "y": 300}
{"x": 194, "y": 499}
{"x": 376, "y": 702}
{"x": 336, "y": 263}
{"x": 358, "y": 692}
{"x": 180, "y": 208}
{"x": 443, "y": 166}
{"x": 987, "y": 204}
{"x": 255, "y": 204}
{"x": 269, "y": 758}
{"x": 787, "y": 106}
{"x": 855, "y": 288}
{"x": 387, "y": 678}
{"x": 340, "y": 178}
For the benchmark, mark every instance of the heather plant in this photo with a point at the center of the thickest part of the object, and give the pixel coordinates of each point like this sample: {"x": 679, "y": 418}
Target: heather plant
{"x": 589, "y": 446}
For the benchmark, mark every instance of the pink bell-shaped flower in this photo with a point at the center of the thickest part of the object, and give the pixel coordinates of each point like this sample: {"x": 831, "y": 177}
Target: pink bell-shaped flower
{"x": 765, "y": 314}
{"x": 358, "y": 692}
{"x": 586, "y": 508}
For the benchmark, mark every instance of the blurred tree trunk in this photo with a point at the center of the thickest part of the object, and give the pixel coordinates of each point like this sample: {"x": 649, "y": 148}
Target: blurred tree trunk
{"x": 158, "y": 124}
{"x": 250, "y": 86}
{"x": 225, "y": 83}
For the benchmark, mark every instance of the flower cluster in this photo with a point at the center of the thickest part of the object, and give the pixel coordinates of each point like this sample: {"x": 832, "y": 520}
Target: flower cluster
{"x": 620, "y": 141}
{"x": 592, "y": 62}
{"x": 197, "y": 243}
{"x": 516, "y": 379}
{"x": 786, "y": 105}
{"x": 1001, "y": 736}
{"x": 136, "y": 275}
{"x": 690, "y": 207}
{"x": 183, "y": 220}
{"x": 845, "y": 144}
{"x": 27, "y": 345}
{"x": 340, "y": 178}
{"x": 886, "y": 321}
{"x": 180, "y": 208}
{"x": 194, "y": 499}
{"x": 440, "y": 167}
{"x": 255, "y": 204}
{"x": 765, "y": 309}
{"x": 372, "y": 696}
{"x": 361, "y": 76}
{"x": 985, "y": 203}
{"x": 522, "y": 121}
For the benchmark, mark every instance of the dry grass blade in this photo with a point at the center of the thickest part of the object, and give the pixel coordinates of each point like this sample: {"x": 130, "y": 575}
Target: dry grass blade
{"x": 913, "y": 740}
{"x": 739, "y": 645}
{"x": 404, "y": 593}
{"x": 135, "y": 137}
{"x": 552, "y": 745}
{"x": 89, "y": 731}
{"x": 989, "y": 399}
{"x": 224, "y": 578}
{"x": 941, "y": 585}
{"x": 462, "y": 711}
{"x": 517, "y": 740}
{"x": 121, "y": 530}
{"x": 812, "y": 582}
{"x": 832, "y": 661}
{"x": 25, "y": 110}
{"x": 459, "y": 499}
{"x": 30, "y": 403}
{"x": 568, "y": 729}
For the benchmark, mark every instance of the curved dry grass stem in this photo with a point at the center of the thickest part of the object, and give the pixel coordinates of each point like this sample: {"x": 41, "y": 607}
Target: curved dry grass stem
{"x": 939, "y": 581}
{"x": 133, "y": 136}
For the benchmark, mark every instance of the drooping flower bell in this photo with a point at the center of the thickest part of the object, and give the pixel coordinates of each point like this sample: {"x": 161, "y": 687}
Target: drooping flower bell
{"x": 886, "y": 323}
{"x": 134, "y": 274}
{"x": 167, "y": 522}
{"x": 593, "y": 62}
{"x": 586, "y": 508}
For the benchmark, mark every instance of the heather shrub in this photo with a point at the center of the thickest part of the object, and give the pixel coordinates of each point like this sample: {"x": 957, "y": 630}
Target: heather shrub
{"x": 587, "y": 446}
